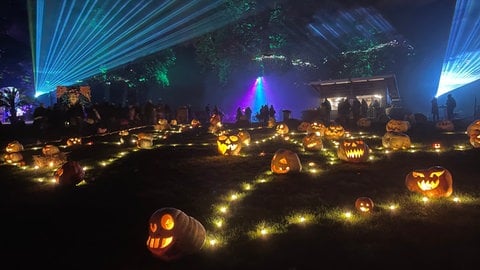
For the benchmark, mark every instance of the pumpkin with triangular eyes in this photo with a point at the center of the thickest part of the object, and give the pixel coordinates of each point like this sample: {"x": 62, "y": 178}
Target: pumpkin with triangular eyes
{"x": 364, "y": 204}
{"x": 312, "y": 142}
{"x": 353, "y": 150}
{"x": 317, "y": 128}
{"x": 229, "y": 144}
{"x": 397, "y": 125}
{"x": 285, "y": 161}
{"x": 334, "y": 132}
{"x": 173, "y": 234}
{"x": 433, "y": 182}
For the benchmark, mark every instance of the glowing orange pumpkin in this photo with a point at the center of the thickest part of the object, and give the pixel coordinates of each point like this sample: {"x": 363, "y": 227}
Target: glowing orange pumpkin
{"x": 312, "y": 142}
{"x": 229, "y": 145}
{"x": 282, "y": 129}
{"x": 364, "y": 204}
{"x": 334, "y": 132}
{"x": 173, "y": 234}
{"x": 397, "y": 126}
{"x": 74, "y": 141}
{"x": 473, "y": 132}
{"x": 396, "y": 140}
{"x": 303, "y": 126}
{"x": 244, "y": 137}
{"x": 49, "y": 150}
{"x": 285, "y": 161}
{"x": 317, "y": 128}
{"x": 14, "y": 158}
{"x": 432, "y": 182}
{"x": 353, "y": 151}
{"x": 14, "y": 146}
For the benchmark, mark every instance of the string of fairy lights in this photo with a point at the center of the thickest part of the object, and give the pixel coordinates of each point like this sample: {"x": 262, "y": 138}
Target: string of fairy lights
{"x": 225, "y": 205}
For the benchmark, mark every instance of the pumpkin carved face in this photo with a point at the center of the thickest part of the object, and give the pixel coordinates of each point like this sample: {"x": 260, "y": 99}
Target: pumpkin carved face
{"x": 473, "y": 132}
{"x": 282, "y": 129}
{"x": 173, "y": 234}
{"x": 285, "y": 161}
{"x": 312, "y": 142}
{"x": 353, "y": 151}
{"x": 162, "y": 124}
{"x": 397, "y": 126}
{"x": 14, "y": 158}
{"x": 334, "y": 132}
{"x": 13, "y": 147}
{"x": 317, "y": 128}
{"x": 364, "y": 204}
{"x": 396, "y": 140}
{"x": 432, "y": 182}
{"x": 50, "y": 149}
{"x": 69, "y": 174}
{"x": 229, "y": 145}
{"x": 303, "y": 126}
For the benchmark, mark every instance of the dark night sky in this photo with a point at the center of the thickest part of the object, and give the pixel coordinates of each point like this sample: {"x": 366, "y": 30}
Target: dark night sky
{"x": 425, "y": 23}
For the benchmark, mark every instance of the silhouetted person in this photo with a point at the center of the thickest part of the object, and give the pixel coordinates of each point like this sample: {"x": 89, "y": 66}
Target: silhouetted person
{"x": 451, "y": 104}
{"x": 435, "y": 115}
{"x": 326, "y": 108}
{"x": 248, "y": 114}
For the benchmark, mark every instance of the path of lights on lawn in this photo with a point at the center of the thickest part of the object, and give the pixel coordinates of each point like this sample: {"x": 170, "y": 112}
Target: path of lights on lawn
{"x": 74, "y": 40}
{"x": 462, "y": 58}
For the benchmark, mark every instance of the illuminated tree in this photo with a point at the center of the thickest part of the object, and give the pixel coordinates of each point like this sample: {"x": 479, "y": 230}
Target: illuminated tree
{"x": 12, "y": 98}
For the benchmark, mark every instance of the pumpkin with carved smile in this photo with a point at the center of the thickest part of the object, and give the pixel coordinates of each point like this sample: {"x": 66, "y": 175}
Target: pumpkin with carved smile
{"x": 473, "y": 132}
{"x": 173, "y": 234}
{"x": 334, "y": 132}
{"x": 352, "y": 150}
{"x": 312, "y": 142}
{"x": 432, "y": 182}
{"x": 364, "y": 204}
{"x": 229, "y": 144}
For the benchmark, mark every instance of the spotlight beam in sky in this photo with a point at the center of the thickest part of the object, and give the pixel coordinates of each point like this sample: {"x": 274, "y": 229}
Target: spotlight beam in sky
{"x": 462, "y": 58}
{"x": 75, "y": 39}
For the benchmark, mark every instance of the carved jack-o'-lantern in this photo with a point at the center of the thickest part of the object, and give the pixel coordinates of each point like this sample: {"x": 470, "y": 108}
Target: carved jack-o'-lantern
{"x": 229, "y": 145}
{"x": 397, "y": 126}
{"x": 144, "y": 143}
{"x": 364, "y": 122}
{"x": 173, "y": 122}
{"x": 74, "y": 141}
{"x": 312, "y": 142}
{"x": 173, "y": 234}
{"x": 69, "y": 174}
{"x": 303, "y": 126}
{"x": 49, "y": 150}
{"x": 244, "y": 137}
{"x": 334, "y": 132}
{"x": 473, "y": 132}
{"x": 352, "y": 150}
{"x": 14, "y": 158}
{"x": 123, "y": 133}
{"x": 445, "y": 125}
{"x": 432, "y": 182}
{"x": 396, "y": 140}
{"x": 14, "y": 146}
{"x": 285, "y": 161}
{"x": 317, "y": 128}
{"x": 364, "y": 204}
{"x": 282, "y": 129}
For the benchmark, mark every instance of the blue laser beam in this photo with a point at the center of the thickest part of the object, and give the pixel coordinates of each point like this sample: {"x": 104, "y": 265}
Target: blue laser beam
{"x": 76, "y": 39}
{"x": 461, "y": 65}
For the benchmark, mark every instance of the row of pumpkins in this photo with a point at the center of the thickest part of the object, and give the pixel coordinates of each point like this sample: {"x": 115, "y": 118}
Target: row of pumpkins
{"x": 173, "y": 234}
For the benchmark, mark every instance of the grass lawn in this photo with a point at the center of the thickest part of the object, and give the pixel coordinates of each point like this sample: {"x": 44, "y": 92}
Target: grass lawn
{"x": 254, "y": 219}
